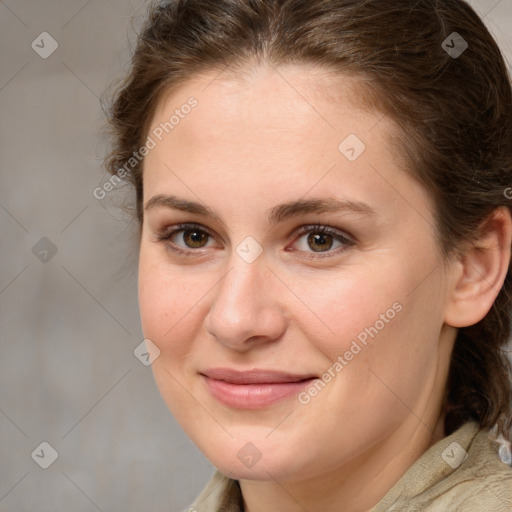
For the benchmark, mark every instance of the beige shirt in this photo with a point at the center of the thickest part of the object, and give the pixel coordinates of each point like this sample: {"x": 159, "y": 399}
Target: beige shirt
{"x": 460, "y": 473}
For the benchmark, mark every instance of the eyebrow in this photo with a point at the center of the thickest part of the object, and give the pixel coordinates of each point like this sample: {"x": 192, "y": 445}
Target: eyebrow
{"x": 275, "y": 214}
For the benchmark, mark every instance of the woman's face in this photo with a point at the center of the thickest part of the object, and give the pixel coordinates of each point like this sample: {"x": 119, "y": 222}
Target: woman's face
{"x": 299, "y": 313}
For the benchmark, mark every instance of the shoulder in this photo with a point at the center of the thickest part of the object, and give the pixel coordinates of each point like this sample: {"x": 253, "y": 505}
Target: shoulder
{"x": 221, "y": 493}
{"x": 483, "y": 482}
{"x": 480, "y": 480}
{"x": 462, "y": 472}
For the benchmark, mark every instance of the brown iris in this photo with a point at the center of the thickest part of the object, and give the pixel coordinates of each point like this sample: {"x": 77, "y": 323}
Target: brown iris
{"x": 194, "y": 238}
{"x": 320, "y": 242}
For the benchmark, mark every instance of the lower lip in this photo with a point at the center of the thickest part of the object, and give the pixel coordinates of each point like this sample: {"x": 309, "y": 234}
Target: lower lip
{"x": 253, "y": 396}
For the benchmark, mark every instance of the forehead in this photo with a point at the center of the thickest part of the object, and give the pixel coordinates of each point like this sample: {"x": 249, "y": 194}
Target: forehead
{"x": 268, "y": 113}
{"x": 280, "y": 131}
{"x": 296, "y": 95}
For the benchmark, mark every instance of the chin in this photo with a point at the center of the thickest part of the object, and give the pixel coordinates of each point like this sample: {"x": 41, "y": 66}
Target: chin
{"x": 258, "y": 460}
{"x": 264, "y": 469}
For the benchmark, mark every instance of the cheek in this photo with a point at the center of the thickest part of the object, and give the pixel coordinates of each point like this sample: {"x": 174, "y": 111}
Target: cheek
{"x": 346, "y": 307}
{"x": 169, "y": 303}
{"x": 374, "y": 322}
{"x": 398, "y": 336}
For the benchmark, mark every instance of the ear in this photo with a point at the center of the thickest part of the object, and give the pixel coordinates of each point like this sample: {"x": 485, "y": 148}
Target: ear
{"x": 479, "y": 273}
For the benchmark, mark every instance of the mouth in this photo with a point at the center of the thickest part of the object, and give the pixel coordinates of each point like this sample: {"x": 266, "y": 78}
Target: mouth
{"x": 253, "y": 389}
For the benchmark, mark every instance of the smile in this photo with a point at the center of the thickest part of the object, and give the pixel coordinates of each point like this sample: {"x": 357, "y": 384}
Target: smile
{"x": 253, "y": 389}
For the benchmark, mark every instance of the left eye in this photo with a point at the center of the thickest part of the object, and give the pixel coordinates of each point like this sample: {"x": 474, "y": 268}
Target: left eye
{"x": 321, "y": 239}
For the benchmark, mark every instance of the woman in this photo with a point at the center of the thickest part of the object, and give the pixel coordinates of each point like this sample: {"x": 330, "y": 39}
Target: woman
{"x": 325, "y": 236}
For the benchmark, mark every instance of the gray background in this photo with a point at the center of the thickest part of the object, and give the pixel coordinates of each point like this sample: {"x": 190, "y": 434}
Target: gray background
{"x": 69, "y": 325}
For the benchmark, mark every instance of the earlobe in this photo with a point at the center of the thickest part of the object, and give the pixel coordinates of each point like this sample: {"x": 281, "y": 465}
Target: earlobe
{"x": 480, "y": 271}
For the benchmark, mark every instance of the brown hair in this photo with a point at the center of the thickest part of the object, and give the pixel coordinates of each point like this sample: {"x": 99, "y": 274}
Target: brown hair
{"x": 454, "y": 111}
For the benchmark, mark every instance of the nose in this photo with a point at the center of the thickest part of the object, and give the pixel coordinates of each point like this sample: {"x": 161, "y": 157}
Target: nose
{"x": 245, "y": 311}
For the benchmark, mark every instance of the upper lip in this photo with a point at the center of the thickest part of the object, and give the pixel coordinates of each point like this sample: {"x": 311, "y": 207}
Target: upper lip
{"x": 254, "y": 376}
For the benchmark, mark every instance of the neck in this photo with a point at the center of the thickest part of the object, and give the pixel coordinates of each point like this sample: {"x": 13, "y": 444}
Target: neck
{"x": 359, "y": 485}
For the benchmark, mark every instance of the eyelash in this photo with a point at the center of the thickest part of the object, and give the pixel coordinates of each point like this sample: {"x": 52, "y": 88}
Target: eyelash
{"x": 167, "y": 233}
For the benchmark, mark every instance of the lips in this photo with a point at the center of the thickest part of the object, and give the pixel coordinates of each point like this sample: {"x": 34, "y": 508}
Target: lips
{"x": 253, "y": 389}
{"x": 254, "y": 376}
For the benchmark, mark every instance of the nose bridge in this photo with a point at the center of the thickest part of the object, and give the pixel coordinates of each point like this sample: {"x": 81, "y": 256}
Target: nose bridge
{"x": 243, "y": 307}
{"x": 240, "y": 291}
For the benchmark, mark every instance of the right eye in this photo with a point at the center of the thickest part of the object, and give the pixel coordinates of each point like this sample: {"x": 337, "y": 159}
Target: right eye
{"x": 184, "y": 238}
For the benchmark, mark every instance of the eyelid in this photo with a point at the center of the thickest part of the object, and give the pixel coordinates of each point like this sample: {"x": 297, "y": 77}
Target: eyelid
{"x": 323, "y": 228}
{"x": 346, "y": 240}
{"x": 165, "y": 234}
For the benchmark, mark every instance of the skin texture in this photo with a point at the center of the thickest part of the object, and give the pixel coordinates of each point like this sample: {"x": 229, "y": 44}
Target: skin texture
{"x": 254, "y": 142}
